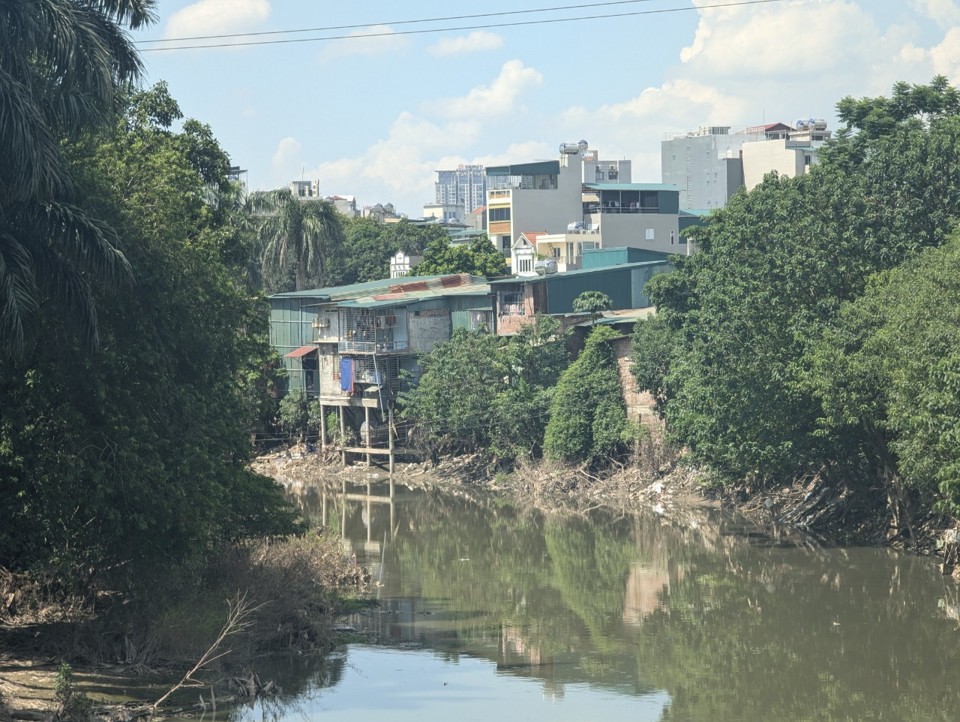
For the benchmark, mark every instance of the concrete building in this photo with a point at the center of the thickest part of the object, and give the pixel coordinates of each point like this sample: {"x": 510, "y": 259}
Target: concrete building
{"x": 443, "y": 212}
{"x": 710, "y": 164}
{"x": 305, "y": 188}
{"x": 354, "y": 348}
{"x": 401, "y": 263}
{"x": 383, "y": 212}
{"x": 461, "y": 191}
{"x": 347, "y": 205}
{"x": 569, "y": 196}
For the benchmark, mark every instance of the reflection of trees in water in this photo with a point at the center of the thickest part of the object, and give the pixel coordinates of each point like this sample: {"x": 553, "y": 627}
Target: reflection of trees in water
{"x": 815, "y": 634}
{"x": 299, "y": 677}
{"x": 733, "y": 624}
{"x": 591, "y": 565}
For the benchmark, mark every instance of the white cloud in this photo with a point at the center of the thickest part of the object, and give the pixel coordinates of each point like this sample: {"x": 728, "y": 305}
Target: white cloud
{"x": 216, "y": 17}
{"x": 477, "y": 41}
{"x": 498, "y": 98}
{"x": 748, "y": 65}
{"x": 400, "y": 167}
{"x": 634, "y": 128}
{"x": 285, "y": 165}
{"x": 373, "y": 40}
{"x": 946, "y": 56}
{"x": 946, "y": 13}
{"x": 783, "y": 40}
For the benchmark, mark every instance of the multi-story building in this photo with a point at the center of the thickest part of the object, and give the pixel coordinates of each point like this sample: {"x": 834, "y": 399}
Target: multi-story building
{"x": 554, "y": 210}
{"x": 305, "y": 188}
{"x": 354, "y": 348}
{"x": 347, "y": 205}
{"x": 459, "y": 192}
{"x": 710, "y": 164}
{"x": 383, "y": 212}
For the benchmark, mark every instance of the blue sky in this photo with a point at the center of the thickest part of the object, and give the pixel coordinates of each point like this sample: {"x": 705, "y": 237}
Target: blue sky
{"x": 375, "y": 116}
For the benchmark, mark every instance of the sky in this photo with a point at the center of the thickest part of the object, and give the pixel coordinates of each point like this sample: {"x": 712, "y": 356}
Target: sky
{"x": 371, "y": 101}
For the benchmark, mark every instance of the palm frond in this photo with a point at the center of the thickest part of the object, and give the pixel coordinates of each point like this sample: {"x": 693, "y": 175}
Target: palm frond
{"x": 91, "y": 245}
{"x": 30, "y": 160}
{"x": 18, "y": 293}
{"x": 133, "y": 13}
{"x": 70, "y": 289}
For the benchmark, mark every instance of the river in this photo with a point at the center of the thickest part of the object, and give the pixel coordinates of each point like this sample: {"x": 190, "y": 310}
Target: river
{"x": 492, "y": 612}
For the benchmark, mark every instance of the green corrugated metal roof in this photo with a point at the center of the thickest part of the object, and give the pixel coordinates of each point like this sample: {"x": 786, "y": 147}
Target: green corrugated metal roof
{"x": 699, "y": 212}
{"x": 631, "y": 187}
{"x": 541, "y": 167}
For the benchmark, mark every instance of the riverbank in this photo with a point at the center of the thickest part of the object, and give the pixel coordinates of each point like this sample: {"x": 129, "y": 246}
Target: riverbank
{"x": 207, "y": 627}
{"x": 661, "y": 484}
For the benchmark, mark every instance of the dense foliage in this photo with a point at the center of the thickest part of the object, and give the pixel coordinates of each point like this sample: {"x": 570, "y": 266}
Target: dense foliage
{"x": 478, "y": 258}
{"x": 62, "y": 64}
{"x": 482, "y": 392}
{"x": 888, "y": 373}
{"x": 588, "y": 418}
{"x": 301, "y": 240}
{"x": 747, "y": 315}
{"x": 132, "y": 457}
{"x": 370, "y": 244}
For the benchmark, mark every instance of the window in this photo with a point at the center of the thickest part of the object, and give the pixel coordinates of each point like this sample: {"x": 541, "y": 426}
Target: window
{"x": 499, "y": 214}
{"x": 649, "y": 234}
{"x": 504, "y": 243}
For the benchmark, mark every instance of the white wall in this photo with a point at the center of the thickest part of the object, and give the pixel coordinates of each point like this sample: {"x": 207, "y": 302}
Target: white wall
{"x": 763, "y": 156}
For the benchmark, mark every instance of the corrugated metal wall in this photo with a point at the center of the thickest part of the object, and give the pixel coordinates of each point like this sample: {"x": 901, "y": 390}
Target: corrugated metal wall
{"x": 625, "y": 285}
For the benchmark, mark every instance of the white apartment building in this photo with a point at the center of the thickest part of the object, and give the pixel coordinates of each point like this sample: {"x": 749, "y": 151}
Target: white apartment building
{"x": 459, "y": 192}
{"x": 305, "y": 188}
{"x": 710, "y": 164}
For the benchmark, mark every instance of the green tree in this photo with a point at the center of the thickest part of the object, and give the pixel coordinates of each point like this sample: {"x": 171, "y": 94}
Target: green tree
{"x": 592, "y": 302}
{"x": 588, "y": 418}
{"x": 888, "y": 376}
{"x": 481, "y": 392}
{"x": 478, "y": 258}
{"x": 306, "y": 234}
{"x": 135, "y": 457}
{"x": 370, "y": 244}
{"x": 62, "y": 65}
{"x": 773, "y": 269}
{"x": 652, "y": 350}
{"x": 452, "y": 403}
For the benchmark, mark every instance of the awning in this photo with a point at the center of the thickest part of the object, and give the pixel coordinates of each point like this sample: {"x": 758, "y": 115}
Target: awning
{"x": 302, "y": 351}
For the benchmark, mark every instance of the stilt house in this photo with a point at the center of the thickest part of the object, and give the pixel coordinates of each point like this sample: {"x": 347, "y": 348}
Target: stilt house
{"x": 354, "y": 347}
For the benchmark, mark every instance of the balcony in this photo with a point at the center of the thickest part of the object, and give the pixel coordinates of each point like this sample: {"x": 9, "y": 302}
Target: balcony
{"x": 351, "y": 346}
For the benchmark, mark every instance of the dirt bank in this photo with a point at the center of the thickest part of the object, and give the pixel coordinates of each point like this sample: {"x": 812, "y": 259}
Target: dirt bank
{"x": 830, "y": 514}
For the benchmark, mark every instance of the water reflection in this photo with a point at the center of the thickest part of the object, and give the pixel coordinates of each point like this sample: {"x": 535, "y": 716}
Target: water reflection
{"x": 694, "y": 613}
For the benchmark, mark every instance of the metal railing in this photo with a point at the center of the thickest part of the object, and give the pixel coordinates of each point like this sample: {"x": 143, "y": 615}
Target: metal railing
{"x": 372, "y": 346}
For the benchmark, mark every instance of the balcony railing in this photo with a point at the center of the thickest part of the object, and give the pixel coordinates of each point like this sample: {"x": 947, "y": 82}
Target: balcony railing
{"x": 372, "y": 346}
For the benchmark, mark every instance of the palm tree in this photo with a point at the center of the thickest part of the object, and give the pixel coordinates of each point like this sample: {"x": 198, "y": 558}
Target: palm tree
{"x": 62, "y": 63}
{"x": 305, "y": 233}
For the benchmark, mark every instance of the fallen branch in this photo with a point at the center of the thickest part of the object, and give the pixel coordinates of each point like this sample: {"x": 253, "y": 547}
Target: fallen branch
{"x": 238, "y": 619}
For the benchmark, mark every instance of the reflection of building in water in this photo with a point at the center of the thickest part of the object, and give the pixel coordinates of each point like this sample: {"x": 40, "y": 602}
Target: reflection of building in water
{"x": 647, "y": 584}
{"x": 514, "y": 648}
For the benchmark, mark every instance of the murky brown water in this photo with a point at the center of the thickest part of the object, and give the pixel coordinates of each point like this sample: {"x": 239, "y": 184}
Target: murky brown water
{"x": 491, "y": 612}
